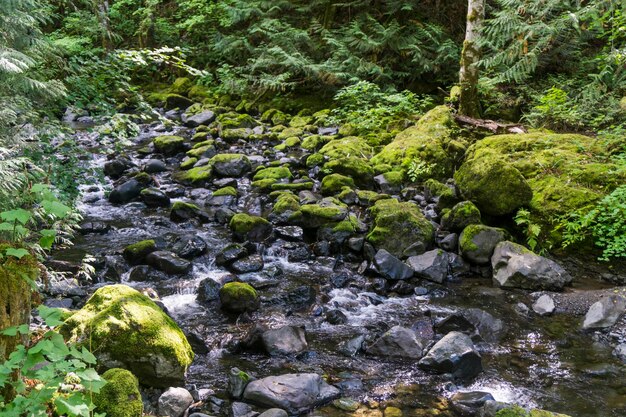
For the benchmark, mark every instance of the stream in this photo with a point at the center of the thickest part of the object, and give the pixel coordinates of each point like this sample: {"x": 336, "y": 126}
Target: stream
{"x": 544, "y": 362}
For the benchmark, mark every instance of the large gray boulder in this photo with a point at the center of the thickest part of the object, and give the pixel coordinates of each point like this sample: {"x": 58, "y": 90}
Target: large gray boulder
{"x": 391, "y": 267}
{"x": 397, "y": 342}
{"x": 605, "y": 312}
{"x": 203, "y": 118}
{"x": 454, "y": 354}
{"x": 514, "y": 266}
{"x": 174, "y": 402}
{"x": 294, "y": 393}
{"x": 431, "y": 265}
{"x": 287, "y": 340}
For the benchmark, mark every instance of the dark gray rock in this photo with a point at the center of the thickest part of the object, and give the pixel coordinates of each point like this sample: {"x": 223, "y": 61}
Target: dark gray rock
{"x": 153, "y": 197}
{"x": 252, "y": 263}
{"x": 605, "y": 312}
{"x": 352, "y": 347}
{"x": 174, "y": 402}
{"x": 145, "y": 273}
{"x": 126, "y": 192}
{"x": 397, "y": 342}
{"x": 230, "y": 254}
{"x": 154, "y": 166}
{"x": 431, "y": 265}
{"x": 232, "y": 167}
{"x": 237, "y": 381}
{"x": 468, "y": 403}
{"x": 294, "y": 393}
{"x": 514, "y": 266}
{"x": 489, "y": 328}
{"x": 94, "y": 227}
{"x": 450, "y": 242}
{"x": 385, "y": 186}
{"x": 477, "y": 243}
{"x": 168, "y": 262}
{"x": 189, "y": 246}
{"x": 287, "y": 340}
{"x": 292, "y": 233}
{"x": 336, "y": 317}
{"x": 117, "y": 167}
{"x": 453, "y": 354}
{"x": 203, "y": 118}
{"x": 391, "y": 267}
{"x": 208, "y": 290}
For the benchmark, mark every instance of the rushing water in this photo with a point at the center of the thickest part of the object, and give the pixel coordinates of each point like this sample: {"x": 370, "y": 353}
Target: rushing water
{"x": 544, "y": 362}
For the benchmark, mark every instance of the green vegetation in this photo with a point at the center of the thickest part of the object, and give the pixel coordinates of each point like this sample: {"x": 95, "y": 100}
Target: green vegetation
{"x": 120, "y": 397}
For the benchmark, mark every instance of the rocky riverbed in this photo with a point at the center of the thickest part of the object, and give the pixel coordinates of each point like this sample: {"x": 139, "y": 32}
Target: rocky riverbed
{"x": 306, "y": 281}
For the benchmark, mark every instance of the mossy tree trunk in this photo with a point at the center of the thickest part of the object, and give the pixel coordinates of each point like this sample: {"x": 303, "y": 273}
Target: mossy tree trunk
{"x": 15, "y": 302}
{"x": 469, "y": 104}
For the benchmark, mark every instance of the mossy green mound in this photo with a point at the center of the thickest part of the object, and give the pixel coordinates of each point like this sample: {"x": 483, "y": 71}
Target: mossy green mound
{"x": 334, "y": 183}
{"x": 232, "y": 120}
{"x": 329, "y": 210}
{"x": 356, "y": 168}
{"x": 120, "y": 397}
{"x": 238, "y": 297}
{"x": 203, "y": 149}
{"x": 460, "y": 216}
{"x": 431, "y": 141}
{"x": 566, "y": 172}
{"x": 348, "y": 147}
{"x": 136, "y": 252}
{"x": 286, "y": 202}
{"x": 517, "y": 411}
{"x": 195, "y": 176}
{"x": 225, "y": 191}
{"x": 397, "y": 226}
{"x": 254, "y": 228}
{"x": 181, "y": 86}
{"x": 125, "y": 328}
{"x": 276, "y": 173}
{"x": 169, "y": 145}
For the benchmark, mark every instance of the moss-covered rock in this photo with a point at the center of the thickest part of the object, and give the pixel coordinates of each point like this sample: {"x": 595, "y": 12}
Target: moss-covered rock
{"x": 367, "y": 198}
{"x": 247, "y": 227}
{"x": 264, "y": 185}
{"x": 137, "y": 252}
{"x": 397, "y": 226}
{"x": 446, "y": 197}
{"x": 495, "y": 186}
{"x": 169, "y": 145}
{"x": 431, "y": 141}
{"x": 460, "y": 216}
{"x": 314, "y": 142}
{"x": 477, "y": 242}
{"x": 198, "y": 93}
{"x": 232, "y": 120}
{"x": 300, "y": 121}
{"x": 314, "y": 160}
{"x": 230, "y": 164}
{"x": 120, "y": 397}
{"x": 566, "y": 172}
{"x": 348, "y": 147}
{"x": 334, "y": 183}
{"x": 225, "y": 191}
{"x": 299, "y": 185}
{"x": 290, "y": 132}
{"x": 286, "y": 203}
{"x": 176, "y": 101}
{"x": 182, "y": 211}
{"x": 275, "y": 173}
{"x": 188, "y": 163}
{"x": 328, "y": 210}
{"x": 195, "y": 176}
{"x": 357, "y": 168}
{"x": 181, "y": 86}
{"x": 125, "y": 328}
{"x": 238, "y": 297}
{"x": 517, "y": 411}
{"x": 233, "y": 135}
{"x": 204, "y": 149}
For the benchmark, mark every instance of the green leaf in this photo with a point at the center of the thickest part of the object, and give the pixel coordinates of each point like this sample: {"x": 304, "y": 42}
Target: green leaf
{"x": 14, "y": 330}
{"x": 8, "y": 227}
{"x": 19, "y": 253}
{"x": 73, "y": 406}
{"x": 52, "y": 316}
{"x": 47, "y": 238}
{"x": 55, "y": 208}
{"x": 20, "y": 215}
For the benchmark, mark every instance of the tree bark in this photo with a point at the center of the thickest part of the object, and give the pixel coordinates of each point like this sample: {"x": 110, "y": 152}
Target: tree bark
{"x": 469, "y": 104}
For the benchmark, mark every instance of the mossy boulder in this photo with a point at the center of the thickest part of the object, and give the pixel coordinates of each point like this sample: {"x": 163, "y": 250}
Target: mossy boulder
{"x": 565, "y": 172}
{"x": 358, "y": 169}
{"x": 233, "y": 135}
{"x": 314, "y": 142}
{"x": 126, "y": 329}
{"x": 446, "y": 197}
{"x": 460, "y": 216}
{"x": 195, "y": 176}
{"x": 477, "y": 242}
{"x": 290, "y": 132}
{"x": 188, "y": 163}
{"x": 328, "y": 210}
{"x": 238, "y": 297}
{"x": 399, "y": 226}
{"x": 230, "y": 164}
{"x": 231, "y": 191}
{"x": 247, "y": 227}
{"x": 494, "y": 185}
{"x": 348, "y": 147}
{"x": 176, "y": 101}
{"x": 300, "y": 121}
{"x": 120, "y": 397}
{"x": 205, "y": 149}
{"x": 286, "y": 202}
{"x": 181, "y": 86}
{"x": 275, "y": 173}
{"x": 233, "y": 120}
{"x": 299, "y": 185}
{"x": 432, "y": 141}
{"x": 334, "y": 183}
{"x": 137, "y": 252}
{"x": 169, "y": 145}
{"x": 314, "y": 160}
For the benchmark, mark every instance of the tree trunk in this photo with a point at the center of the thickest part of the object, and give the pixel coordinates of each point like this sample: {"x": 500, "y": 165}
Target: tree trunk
{"x": 15, "y": 303}
{"x": 468, "y": 75}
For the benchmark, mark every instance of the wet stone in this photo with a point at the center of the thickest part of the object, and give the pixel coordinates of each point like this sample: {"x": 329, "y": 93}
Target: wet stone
{"x": 208, "y": 290}
{"x": 189, "y": 246}
{"x": 168, "y": 262}
{"x": 336, "y": 317}
{"x": 154, "y": 166}
{"x": 391, "y": 267}
{"x": 287, "y": 340}
{"x": 252, "y": 263}
{"x": 294, "y": 233}
{"x": 230, "y": 254}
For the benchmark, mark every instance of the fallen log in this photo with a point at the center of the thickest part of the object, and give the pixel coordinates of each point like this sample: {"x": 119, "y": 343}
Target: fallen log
{"x": 489, "y": 125}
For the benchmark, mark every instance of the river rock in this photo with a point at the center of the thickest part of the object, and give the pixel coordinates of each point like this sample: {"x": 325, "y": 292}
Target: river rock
{"x": 189, "y": 246}
{"x": 203, "y": 118}
{"x": 294, "y": 393}
{"x": 391, "y": 267}
{"x": 174, "y": 402}
{"x": 467, "y": 403}
{"x": 477, "y": 242}
{"x": 460, "y": 216}
{"x": 168, "y": 262}
{"x": 454, "y": 354}
{"x": 274, "y": 412}
{"x": 208, "y": 290}
{"x": 239, "y": 409}
{"x": 153, "y": 197}
{"x": 287, "y": 340}
{"x": 431, "y": 265}
{"x": 292, "y": 233}
{"x": 230, "y": 254}
{"x": 231, "y": 165}
{"x": 397, "y": 342}
{"x": 252, "y": 263}
{"x": 544, "y": 305}
{"x": 336, "y": 316}
{"x": 238, "y": 297}
{"x": 605, "y": 312}
{"x": 490, "y": 329}
{"x": 514, "y": 266}
{"x": 145, "y": 273}
{"x": 126, "y": 329}
{"x": 237, "y": 381}
{"x": 126, "y": 192}
{"x": 115, "y": 168}
{"x": 154, "y": 166}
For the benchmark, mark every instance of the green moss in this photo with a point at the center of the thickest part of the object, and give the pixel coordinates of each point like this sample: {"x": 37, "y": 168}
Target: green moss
{"x": 232, "y": 120}
{"x": 294, "y": 186}
{"x": 333, "y": 183}
{"x": 242, "y": 223}
{"x": 238, "y": 297}
{"x": 429, "y": 140}
{"x": 264, "y": 185}
{"x": 120, "y": 397}
{"x": 313, "y": 142}
{"x": 204, "y": 150}
{"x": 276, "y": 173}
{"x": 348, "y": 147}
{"x": 349, "y": 225}
{"x": 120, "y": 324}
{"x": 286, "y": 202}
{"x": 326, "y": 211}
{"x": 181, "y": 86}
{"x": 188, "y": 163}
{"x": 232, "y": 135}
{"x": 143, "y": 178}
{"x": 181, "y": 205}
{"x": 446, "y": 195}
{"x": 200, "y": 136}
{"x": 195, "y": 176}
{"x": 292, "y": 142}
{"x": 466, "y": 240}
{"x": 136, "y": 252}
{"x": 367, "y": 197}
{"x": 300, "y": 121}
{"x": 169, "y": 145}
{"x": 357, "y": 168}
{"x": 514, "y": 411}
{"x": 225, "y": 191}
{"x": 397, "y": 226}
{"x": 394, "y": 178}
{"x": 314, "y": 160}
{"x": 290, "y": 132}
{"x": 198, "y": 93}
{"x": 462, "y": 214}
{"x": 176, "y": 101}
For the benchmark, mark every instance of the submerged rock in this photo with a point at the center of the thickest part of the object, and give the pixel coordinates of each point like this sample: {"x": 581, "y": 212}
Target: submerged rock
{"x": 125, "y": 328}
{"x": 126, "y": 192}
{"x": 514, "y": 266}
{"x": 605, "y": 313}
{"x": 294, "y": 393}
{"x": 454, "y": 354}
{"x": 287, "y": 340}
{"x": 168, "y": 262}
